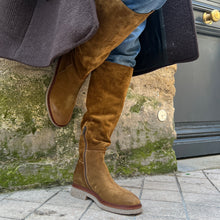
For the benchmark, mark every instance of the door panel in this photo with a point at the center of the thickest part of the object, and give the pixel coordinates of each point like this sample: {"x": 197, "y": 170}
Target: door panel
{"x": 197, "y": 100}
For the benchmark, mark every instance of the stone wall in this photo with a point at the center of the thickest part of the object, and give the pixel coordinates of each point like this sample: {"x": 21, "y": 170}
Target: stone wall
{"x": 34, "y": 153}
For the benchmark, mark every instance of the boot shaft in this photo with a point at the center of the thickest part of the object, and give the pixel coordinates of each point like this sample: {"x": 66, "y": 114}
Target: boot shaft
{"x": 105, "y": 100}
{"x": 116, "y": 22}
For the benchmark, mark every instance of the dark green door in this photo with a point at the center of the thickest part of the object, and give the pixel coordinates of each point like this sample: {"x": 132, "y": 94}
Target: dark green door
{"x": 197, "y": 100}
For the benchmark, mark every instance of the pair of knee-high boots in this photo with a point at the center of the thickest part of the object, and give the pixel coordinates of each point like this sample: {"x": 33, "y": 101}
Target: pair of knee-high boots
{"x": 105, "y": 99}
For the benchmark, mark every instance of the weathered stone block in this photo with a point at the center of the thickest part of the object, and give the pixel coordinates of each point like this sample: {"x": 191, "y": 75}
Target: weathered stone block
{"x": 34, "y": 153}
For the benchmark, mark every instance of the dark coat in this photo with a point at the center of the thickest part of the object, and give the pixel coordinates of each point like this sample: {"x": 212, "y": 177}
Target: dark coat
{"x": 169, "y": 37}
{"x": 35, "y": 32}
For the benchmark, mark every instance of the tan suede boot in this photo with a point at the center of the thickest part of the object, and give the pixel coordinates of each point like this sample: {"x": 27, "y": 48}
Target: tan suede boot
{"x": 117, "y": 21}
{"x": 105, "y": 99}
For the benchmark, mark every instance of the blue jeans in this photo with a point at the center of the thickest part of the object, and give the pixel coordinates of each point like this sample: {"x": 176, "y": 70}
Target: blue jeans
{"x": 127, "y": 51}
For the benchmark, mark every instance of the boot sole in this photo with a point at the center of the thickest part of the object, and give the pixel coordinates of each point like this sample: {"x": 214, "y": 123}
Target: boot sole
{"x": 81, "y": 194}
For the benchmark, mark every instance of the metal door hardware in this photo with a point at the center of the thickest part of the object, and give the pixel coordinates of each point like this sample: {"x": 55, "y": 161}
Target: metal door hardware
{"x": 210, "y": 17}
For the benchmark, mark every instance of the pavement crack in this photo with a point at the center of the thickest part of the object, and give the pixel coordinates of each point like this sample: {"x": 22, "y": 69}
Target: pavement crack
{"x": 90, "y": 204}
{"x": 207, "y": 177}
{"x": 182, "y": 197}
{"x": 42, "y": 204}
{"x": 142, "y": 188}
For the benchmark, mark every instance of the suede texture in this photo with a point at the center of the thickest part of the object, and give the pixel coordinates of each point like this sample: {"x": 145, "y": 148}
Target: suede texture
{"x": 63, "y": 91}
{"x": 79, "y": 174}
{"x": 105, "y": 100}
{"x": 117, "y": 21}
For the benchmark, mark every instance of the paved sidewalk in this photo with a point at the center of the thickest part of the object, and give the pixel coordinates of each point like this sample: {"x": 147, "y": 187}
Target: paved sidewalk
{"x": 191, "y": 196}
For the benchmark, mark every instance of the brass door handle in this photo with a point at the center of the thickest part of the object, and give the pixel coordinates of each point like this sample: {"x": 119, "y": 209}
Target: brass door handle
{"x": 210, "y": 17}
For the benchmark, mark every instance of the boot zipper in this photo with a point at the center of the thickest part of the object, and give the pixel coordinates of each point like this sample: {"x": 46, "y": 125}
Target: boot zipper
{"x": 84, "y": 156}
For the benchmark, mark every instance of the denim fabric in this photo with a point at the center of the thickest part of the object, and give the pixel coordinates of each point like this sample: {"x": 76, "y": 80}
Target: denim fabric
{"x": 144, "y": 6}
{"x": 127, "y": 51}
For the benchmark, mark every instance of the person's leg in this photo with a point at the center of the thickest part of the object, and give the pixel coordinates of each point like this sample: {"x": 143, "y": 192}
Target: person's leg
{"x": 117, "y": 21}
{"x": 144, "y": 6}
{"x": 105, "y": 99}
{"x": 128, "y": 50}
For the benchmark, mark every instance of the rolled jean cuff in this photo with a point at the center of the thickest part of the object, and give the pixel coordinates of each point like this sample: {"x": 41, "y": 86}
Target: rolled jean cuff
{"x": 144, "y": 6}
{"x": 128, "y": 50}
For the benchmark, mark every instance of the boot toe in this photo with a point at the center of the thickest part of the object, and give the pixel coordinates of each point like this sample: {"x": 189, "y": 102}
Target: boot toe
{"x": 130, "y": 199}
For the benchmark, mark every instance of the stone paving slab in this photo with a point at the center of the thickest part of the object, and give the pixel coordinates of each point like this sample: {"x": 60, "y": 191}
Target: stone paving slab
{"x": 161, "y": 185}
{"x": 136, "y": 191}
{"x": 195, "y": 184}
{"x": 198, "y": 163}
{"x": 217, "y": 184}
{"x": 193, "y": 180}
{"x": 17, "y": 209}
{"x": 198, "y": 212}
{"x": 194, "y": 174}
{"x": 160, "y": 195}
{"x": 160, "y": 178}
{"x": 149, "y": 217}
{"x": 52, "y": 212}
{"x": 134, "y": 182}
{"x": 162, "y": 209}
{"x": 66, "y": 188}
{"x": 5, "y": 218}
{"x": 93, "y": 214}
{"x": 39, "y": 196}
{"x": 3, "y": 196}
{"x": 202, "y": 199}
{"x": 180, "y": 196}
{"x": 214, "y": 171}
{"x": 64, "y": 198}
{"x": 198, "y": 188}
{"x": 200, "y": 218}
{"x": 213, "y": 176}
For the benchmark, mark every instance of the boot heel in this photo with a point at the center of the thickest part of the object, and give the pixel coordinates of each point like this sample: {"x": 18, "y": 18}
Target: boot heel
{"x": 79, "y": 194}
